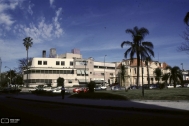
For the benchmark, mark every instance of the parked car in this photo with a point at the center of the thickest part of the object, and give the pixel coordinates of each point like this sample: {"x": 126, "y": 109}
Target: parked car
{"x": 186, "y": 85}
{"x": 132, "y": 87}
{"x": 58, "y": 90}
{"x": 80, "y": 89}
{"x": 48, "y": 89}
{"x": 97, "y": 88}
{"x": 32, "y": 89}
{"x": 85, "y": 90}
{"x": 153, "y": 86}
{"x": 172, "y": 86}
{"x": 103, "y": 87}
{"x": 117, "y": 87}
{"x": 178, "y": 86}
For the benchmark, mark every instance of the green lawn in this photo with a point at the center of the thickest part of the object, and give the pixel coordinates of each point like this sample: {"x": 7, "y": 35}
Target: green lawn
{"x": 164, "y": 94}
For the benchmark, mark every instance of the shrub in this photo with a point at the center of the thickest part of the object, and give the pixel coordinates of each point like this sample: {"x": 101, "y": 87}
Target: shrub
{"x": 60, "y": 81}
{"x": 91, "y": 86}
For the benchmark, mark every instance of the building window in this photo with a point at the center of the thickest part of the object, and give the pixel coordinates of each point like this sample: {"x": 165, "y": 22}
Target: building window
{"x": 37, "y": 71}
{"x": 135, "y": 70}
{"x": 110, "y": 67}
{"x": 44, "y": 62}
{"x": 61, "y": 72}
{"x": 69, "y": 81}
{"x": 54, "y": 71}
{"x": 71, "y": 63}
{"x": 101, "y": 67}
{"x": 57, "y": 63}
{"x": 111, "y": 74}
{"x": 46, "y": 71}
{"x": 50, "y": 71}
{"x": 102, "y": 73}
{"x": 62, "y": 63}
{"x": 32, "y": 71}
{"x": 39, "y": 62}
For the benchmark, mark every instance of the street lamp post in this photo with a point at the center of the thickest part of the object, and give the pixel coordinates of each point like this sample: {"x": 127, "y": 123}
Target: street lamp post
{"x": 10, "y": 73}
{"x": 85, "y": 69}
{"x": 104, "y": 69}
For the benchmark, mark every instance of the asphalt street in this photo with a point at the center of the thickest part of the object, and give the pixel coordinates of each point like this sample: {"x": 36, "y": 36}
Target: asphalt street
{"x": 45, "y": 113}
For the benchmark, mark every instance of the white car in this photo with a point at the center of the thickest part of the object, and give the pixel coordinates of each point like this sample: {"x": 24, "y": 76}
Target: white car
{"x": 172, "y": 86}
{"x": 32, "y": 89}
{"x": 152, "y": 87}
{"x": 48, "y": 89}
{"x": 58, "y": 90}
{"x": 103, "y": 87}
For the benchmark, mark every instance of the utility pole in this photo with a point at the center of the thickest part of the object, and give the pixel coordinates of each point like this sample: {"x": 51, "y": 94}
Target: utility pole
{"x": 104, "y": 70}
{"x": 0, "y": 69}
{"x": 85, "y": 70}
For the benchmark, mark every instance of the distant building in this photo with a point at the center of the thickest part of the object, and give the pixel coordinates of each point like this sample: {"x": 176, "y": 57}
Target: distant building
{"x": 131, "y": 72}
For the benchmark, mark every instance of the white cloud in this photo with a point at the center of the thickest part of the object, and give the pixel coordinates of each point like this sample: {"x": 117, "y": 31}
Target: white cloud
{"x": 51, "y": 3}
{"x": 30, "y": 8}
{"x": 58, "y": 29}
{"x": 6, "y": 19}
{"x": 42, "y": 30}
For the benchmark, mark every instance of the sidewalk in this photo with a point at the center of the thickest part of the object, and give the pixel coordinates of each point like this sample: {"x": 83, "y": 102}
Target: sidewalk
{"x": 137, "y": 105}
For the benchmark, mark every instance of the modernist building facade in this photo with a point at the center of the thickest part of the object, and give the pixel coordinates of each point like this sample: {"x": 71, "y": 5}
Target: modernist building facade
{"x": 76, "y": 70}
{"x": 72, "y": 67}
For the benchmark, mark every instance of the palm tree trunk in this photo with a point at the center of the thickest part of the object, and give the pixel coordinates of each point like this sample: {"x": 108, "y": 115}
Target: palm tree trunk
{"x": 142, "y": 83}
{"x": 148, "y": 75}
{"x": 27, "y": 71}
{"x": 138, "y": 64}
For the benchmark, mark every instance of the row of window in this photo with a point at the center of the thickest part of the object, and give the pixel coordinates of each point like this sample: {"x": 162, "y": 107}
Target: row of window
{"x": 50, "y": 71}
{"x": 102, "y": 67}
{"x": 47, "y": 81}
{"x": 62, "y": 63}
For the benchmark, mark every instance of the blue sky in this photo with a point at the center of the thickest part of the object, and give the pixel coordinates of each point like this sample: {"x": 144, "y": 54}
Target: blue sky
{"x": 96, "y": 27}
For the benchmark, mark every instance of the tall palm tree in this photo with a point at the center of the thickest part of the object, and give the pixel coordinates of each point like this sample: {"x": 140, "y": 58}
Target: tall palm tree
{"x": 175, "y": 75}
{"x": 147, "y": 60}
{"x": 186, "y": 19}
{"x": 27, "y": 43}
{"x": 137, "y": 47}
{"x": 165, "y": 77}
{"x": 123, "y": 74}
{"x": 158, "y": 74}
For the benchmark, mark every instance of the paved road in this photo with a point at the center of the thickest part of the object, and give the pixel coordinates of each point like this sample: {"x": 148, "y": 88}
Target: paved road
{"x": 42, "y": 113}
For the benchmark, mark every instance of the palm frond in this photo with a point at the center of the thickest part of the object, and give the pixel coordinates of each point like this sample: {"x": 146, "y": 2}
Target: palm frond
{"x": 148, "y": 44}
{"x": 127, "y": 43}
{"x": 186, "y": 19}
